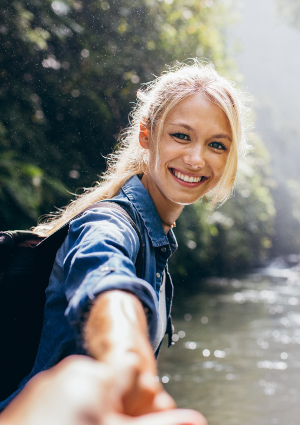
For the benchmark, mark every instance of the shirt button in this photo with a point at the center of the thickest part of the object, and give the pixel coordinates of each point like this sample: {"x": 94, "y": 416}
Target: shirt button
{"x": 163, "y": 249}
{"x": 158, "y": 275}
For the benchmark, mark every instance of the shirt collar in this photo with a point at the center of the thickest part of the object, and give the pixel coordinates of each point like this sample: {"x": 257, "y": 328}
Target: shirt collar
{"x": 140, "y": 198}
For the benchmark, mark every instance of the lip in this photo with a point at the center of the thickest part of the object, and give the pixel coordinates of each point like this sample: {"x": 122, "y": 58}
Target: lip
{"x": 187, "y": 184}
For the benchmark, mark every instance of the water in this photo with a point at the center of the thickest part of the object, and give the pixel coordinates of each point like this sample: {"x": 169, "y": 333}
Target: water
{"x": 237, "y": 354}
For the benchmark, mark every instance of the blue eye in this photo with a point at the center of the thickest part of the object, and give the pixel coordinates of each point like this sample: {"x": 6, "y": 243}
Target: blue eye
{"x": 181, "y": 136}
{"x": 217, "y": 145}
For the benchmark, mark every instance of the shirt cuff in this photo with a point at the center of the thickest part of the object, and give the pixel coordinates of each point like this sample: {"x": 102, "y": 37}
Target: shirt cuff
{"x": 83, "y": 298}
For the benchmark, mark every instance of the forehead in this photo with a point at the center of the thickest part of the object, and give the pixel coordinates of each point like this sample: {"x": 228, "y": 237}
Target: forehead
{"x": 197, "y": 110}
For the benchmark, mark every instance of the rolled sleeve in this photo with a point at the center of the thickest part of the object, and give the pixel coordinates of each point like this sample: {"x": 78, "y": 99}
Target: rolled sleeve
{"x": 102, "y": 249}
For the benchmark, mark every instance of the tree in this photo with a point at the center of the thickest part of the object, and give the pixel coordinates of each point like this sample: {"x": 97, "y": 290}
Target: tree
{"x": 69, "y": 70}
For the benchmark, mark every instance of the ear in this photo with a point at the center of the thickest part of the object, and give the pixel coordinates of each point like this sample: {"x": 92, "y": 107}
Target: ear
{"x": 144, "y": 136}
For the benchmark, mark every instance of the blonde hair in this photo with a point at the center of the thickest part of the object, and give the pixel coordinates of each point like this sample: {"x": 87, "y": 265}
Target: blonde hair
{"x": 154, "y": 102}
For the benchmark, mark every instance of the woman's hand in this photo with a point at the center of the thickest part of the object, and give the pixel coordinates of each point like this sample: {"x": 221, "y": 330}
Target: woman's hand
{"x": 81, "y": 391}
{"x": 116, "y": 333}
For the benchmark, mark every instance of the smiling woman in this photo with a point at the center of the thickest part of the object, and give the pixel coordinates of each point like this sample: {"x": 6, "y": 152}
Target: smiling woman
{"x": 193, "y": 152}
{"x": 205, "y": 93}
{"x": 110, "y": 293}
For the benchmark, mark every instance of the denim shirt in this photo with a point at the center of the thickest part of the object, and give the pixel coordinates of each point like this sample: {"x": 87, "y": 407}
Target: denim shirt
{"x": 99, "y": 255}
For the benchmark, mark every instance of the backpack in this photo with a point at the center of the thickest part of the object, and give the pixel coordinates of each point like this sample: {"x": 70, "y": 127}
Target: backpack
{"x": 26, "y": 262}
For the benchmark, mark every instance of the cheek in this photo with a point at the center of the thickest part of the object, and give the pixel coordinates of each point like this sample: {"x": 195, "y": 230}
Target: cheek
{"x": 160, "y": 160}
{"x": 218, "y": 163}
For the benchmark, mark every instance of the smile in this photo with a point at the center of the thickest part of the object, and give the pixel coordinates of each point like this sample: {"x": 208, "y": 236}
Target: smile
{"x": 186, "y": 178}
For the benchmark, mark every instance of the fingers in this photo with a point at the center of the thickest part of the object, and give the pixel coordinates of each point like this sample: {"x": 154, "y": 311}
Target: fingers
{"x": 146, "y": 395}
{"x": 172, "y": 417}
{"x": 160, "y": 399}
{"x": 163, "y": 401}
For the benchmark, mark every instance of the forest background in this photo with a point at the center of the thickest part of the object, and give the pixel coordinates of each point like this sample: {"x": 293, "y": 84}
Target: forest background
{"x": 69, "y": 72}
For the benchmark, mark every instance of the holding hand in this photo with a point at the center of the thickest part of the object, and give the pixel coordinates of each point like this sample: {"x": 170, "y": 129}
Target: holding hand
{"x": 81, "y": 391}
{"x": 116, "y": 334}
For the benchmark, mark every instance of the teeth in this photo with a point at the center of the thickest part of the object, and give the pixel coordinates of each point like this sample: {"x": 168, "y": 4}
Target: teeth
{"x": 186, "y": 178}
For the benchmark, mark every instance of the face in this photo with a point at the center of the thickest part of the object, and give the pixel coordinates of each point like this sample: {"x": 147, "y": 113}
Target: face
{"x": 193, "y": 152}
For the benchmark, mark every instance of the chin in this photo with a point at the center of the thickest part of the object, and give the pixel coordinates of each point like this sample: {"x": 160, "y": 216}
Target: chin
{"x": 184, "y": 201}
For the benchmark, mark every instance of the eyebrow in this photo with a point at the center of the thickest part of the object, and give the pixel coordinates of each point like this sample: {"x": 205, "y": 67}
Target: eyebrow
{"x": 216, "y": 136}
{"x": 182, "y": 125}
{"x": 222, "y": 136}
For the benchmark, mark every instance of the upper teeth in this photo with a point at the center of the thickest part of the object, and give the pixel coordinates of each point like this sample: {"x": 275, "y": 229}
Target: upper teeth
{"x": 186, "y": 178}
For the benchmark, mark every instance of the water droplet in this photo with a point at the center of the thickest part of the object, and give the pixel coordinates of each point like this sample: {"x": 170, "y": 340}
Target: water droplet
{"x": 230, "y": 376}
{"x": 236, "y": 283}
{"x": 165, "y": 379}
{"x": 75, "y": 93}
{"x": 135, "y": 79}
{"x": 191, "y": 345}
{"x": 285, "y": 339}
{"x": 266, "y": 364}
{"x": 39, "y": 114}
{"x": 220, "y": 354}
{"x": 85, "y": 53}
{"x": 208, "y": 365}
{"x": 206, "y": 352}
{"x": 74, "y": 174}
{"x": 218, "y": 367}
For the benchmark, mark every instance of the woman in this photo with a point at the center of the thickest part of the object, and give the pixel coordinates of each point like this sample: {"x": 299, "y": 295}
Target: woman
{"x": 183, "y": 142}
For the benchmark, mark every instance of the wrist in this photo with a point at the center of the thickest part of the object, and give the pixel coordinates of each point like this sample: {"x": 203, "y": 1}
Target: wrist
{"x": 116, "y": 323}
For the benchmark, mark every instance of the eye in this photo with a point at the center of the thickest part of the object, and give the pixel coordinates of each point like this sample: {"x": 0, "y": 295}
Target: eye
{"x": 219, "y": 146}
{"x": 181, "y": 136}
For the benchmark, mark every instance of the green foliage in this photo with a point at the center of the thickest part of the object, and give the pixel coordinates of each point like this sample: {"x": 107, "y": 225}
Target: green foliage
{"x": 68, "y": 72}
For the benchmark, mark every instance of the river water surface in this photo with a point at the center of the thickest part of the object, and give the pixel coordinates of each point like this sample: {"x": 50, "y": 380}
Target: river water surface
{"x": 236, "y": 356}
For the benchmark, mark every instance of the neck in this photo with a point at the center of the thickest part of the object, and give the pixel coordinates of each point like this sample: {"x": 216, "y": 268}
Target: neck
{"x": 167, "y": 210}
{"x": 168, "y": 226}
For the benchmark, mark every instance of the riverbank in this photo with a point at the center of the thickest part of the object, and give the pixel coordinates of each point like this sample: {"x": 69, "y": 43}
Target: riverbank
{"x": 236, "y": 356}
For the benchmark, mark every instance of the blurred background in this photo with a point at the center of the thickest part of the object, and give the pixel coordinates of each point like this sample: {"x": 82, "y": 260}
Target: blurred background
{"x": 69, "y": 72}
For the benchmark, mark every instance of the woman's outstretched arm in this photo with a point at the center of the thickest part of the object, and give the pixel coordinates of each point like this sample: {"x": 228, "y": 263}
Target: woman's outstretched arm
{"x": 116, "y": 333}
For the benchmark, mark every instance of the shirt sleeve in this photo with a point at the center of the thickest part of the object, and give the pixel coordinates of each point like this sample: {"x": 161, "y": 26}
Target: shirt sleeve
{"x": 102, "y": 249}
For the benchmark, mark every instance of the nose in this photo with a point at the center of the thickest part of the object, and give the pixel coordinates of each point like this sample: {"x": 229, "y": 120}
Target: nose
{"x": 195, "y": 157}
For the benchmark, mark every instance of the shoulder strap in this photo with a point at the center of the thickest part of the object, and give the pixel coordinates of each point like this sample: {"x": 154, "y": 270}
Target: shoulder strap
{"x": 57, "y": 238}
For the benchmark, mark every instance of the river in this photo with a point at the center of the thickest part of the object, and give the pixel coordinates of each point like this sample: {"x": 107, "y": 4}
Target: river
{"x": 236, "y": 352}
